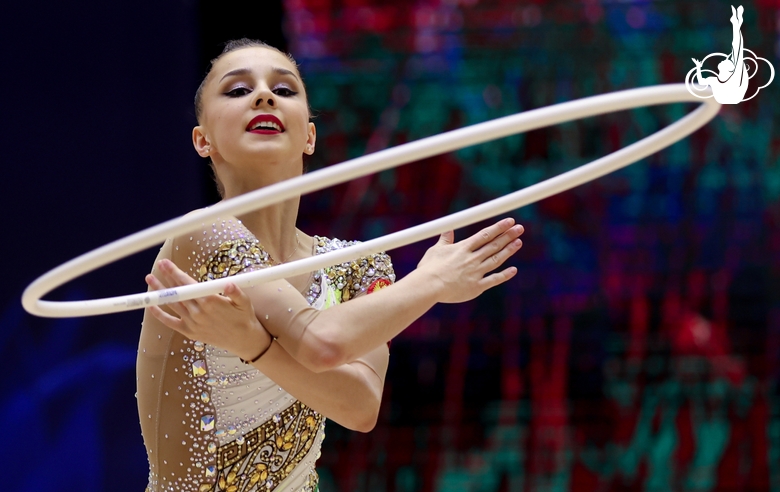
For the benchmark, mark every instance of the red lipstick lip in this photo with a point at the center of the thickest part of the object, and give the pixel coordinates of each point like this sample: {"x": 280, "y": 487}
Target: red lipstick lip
{"x": 263, "y": 118}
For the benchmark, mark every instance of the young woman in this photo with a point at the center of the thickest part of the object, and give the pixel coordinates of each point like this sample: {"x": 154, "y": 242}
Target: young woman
{"x": 234, "y": 389}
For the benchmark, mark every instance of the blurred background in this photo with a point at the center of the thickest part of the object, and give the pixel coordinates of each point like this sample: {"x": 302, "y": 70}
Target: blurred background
{"x": 638, "y": 348}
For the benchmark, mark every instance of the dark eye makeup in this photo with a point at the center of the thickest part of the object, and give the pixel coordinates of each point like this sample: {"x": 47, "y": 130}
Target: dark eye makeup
{"x": 242, "y": 91}
{"x": 238, "y": 92}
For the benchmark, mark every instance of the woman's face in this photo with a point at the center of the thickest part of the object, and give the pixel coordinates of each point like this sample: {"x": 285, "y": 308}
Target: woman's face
{"x": 254, "y": 111}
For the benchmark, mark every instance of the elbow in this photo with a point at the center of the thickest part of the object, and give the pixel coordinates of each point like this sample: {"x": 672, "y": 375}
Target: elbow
{"x": 366, "y": 419}
{"x": 322, "y": 353}
{"x": 369, "y": 424}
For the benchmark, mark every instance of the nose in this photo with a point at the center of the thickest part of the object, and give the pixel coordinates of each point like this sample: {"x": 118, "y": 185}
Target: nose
{"x": 265, "y": 97}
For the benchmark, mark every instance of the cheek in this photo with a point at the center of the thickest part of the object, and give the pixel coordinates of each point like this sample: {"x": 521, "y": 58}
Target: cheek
{"x": 224, "y": 121}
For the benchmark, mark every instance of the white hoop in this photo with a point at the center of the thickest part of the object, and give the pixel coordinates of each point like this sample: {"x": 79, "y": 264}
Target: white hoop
{"x": 369, "y": 164}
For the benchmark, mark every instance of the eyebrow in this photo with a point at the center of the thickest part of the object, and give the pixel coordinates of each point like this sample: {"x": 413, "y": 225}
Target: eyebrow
{"x": 245, "y": 71}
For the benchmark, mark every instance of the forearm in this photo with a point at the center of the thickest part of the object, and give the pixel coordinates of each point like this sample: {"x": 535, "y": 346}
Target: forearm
{"x": 344, "y": 332}
{"x": 349, "y": 394}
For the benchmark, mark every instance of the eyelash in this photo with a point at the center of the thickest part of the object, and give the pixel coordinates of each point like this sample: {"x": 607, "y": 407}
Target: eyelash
{"x": 242, "y": 91}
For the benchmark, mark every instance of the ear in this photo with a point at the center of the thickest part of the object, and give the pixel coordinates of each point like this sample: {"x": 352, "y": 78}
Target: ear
{"x": 311, "y": 139}
{"x": 201, "y": 142}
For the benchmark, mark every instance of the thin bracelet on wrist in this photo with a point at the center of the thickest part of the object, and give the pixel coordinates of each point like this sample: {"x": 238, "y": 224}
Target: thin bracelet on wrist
{"x": 260, "y": 355}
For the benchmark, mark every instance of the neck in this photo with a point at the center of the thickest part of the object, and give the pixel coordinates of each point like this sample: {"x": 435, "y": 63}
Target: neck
{"x": 274, "y": 225}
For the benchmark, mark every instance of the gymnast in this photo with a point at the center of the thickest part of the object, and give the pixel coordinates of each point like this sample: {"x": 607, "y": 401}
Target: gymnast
{"x": 730, "y": 85}
{"x": 234, "y": 389}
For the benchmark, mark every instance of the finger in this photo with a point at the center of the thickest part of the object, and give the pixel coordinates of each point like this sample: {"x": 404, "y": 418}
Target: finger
{"x": 488, "y": 234}
{"x": 175, "y": 274}
{"x": 171, "y": 322}
{"x": 495, "y": 260}
{"x": 447, "y": 237}
{"x": 237, "y": 296}
{"x": 500, "y": 242}
{"x": 497, "y": 278}
{"x": 155, "y": 283}
{"x": 177, "y": 307}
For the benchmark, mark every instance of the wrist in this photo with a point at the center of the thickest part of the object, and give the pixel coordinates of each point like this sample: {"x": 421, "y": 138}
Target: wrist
{"x": 255, "y": 344}
{"x": 430, "y": 284}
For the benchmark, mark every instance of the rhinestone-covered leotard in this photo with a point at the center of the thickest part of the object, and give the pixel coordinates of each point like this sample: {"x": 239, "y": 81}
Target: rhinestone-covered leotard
{"x": 212, "y": 423}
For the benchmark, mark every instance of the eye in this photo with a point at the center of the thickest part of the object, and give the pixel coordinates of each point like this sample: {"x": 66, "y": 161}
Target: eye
{"x": 284, "y": 92}
{"x": 238, "y": 92}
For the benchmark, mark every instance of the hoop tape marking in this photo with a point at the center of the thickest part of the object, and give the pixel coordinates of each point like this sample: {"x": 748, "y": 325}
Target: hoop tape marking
{"x": 363, "y": 166}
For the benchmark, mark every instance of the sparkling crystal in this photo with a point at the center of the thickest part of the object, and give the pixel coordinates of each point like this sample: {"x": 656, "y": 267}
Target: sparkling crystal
{"x": 277, "y": 418}
{"x": 212, "y": 447}
{"x": 205, "y": 397}
{"x": 207, "y": 422}
{"x": 199, "y": 346}
{"x": 199, "y": 368}
{"x": 211, "y": 381}
{"x": 231, "y": 430}
{"x": 220, "y": 432}
{"x": 211, "y": 470}
{"x": 240, "y": 440}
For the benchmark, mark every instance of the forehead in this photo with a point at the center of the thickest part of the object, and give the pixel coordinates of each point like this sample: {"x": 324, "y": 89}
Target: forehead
{"x": 254, "y": 57}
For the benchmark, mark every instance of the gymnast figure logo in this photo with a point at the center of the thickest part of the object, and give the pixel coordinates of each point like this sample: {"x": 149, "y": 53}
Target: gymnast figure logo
{"x": 731, "y": 83}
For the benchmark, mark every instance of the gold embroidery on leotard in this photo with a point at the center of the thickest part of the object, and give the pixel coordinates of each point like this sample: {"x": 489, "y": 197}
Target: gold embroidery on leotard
{"x": 269, "y": 453}
{"x": 354, "y": 277}
{"x": 233, "y": 257}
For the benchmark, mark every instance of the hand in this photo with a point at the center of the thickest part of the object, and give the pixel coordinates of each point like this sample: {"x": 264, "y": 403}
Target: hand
{"x": 227, "y": 321}
{"x": 458, "y": 270}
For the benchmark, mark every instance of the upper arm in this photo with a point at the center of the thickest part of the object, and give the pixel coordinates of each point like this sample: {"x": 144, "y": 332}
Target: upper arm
{"x": 377, "y": 361}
